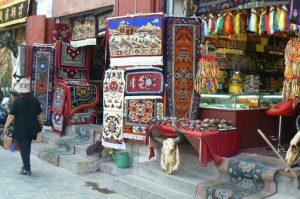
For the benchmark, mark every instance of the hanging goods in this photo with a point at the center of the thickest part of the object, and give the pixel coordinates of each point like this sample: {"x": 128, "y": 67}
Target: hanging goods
{"x": 220, "y": 24}
{"x": 283, "y": 23}
{"x": 211, "y": 23}
{"x": 204, "y": 26}
{"x": 262, "y": 21}
{"x": 228, "y": 23}
{"x": 253, "y": 24}
{"x": 271, "y": 21}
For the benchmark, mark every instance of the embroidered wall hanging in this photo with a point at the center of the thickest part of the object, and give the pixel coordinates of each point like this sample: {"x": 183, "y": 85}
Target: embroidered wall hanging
{"x": 6, "y": 67}
{"x": 138, "y": 114}
{"x": 144, "y": 82}
{"x": 113, "y": 95}
{"x": 68, "y": 74}
{"x": 113, "y": 90}
{"x": 57, "y": 123}
{"x": 69, "y": 57}
{"x": 83, "y": 30}
{"x": 59, "y": 97}
{"x": 141, "y": 111}
{"x": 101, "y": 19}
{"x": 61, "y": 31}
{"x": 182, "y": 56}
{"x": 136, "y": 40}
{"x": 42, "y": 77}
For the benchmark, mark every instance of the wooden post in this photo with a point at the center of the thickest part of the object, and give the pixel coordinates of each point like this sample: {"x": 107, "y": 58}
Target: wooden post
{"x": 280, "y": 157}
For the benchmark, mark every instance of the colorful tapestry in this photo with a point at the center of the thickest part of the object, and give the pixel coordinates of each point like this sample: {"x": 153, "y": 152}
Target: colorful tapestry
{"x": 140, "y": 111}
{"x": 136, "y": 40}
{"x": 113, "y": 95}
{"x": 241, "y": 178}
{"x": 182, "y": 55}
{"x": 57, "y": 123}
{"x": 144, "y": 82}
{"x": 295, "y": 11}
{"x": 113, "y": 130}
{"x": 6, "y": 67}
{"x": 59, "y": 97}
{"x": 83, "y": 30}
{"x": 206, "y": 6}
{"x": 68, "y": 74}
{"x": 42, "y": 77}
{"x": 86, "y": 116}
{"x": 113, "y": 90}
{"x": 80, "y": 97}
{"x": 61, "y": 31}
{"x": 101, "y": 19}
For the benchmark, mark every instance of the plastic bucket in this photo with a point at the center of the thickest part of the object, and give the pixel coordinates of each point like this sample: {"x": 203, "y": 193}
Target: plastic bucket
{"x": 122, "y": 159}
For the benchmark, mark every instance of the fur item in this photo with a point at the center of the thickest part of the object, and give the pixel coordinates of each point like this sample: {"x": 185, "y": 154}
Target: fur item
{"x": 294, "y": 150}
{"x": 95, "y": 148}
{"x": 170, "y": 158}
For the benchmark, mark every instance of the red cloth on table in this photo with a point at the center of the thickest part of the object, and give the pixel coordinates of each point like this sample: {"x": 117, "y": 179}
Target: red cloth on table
{"x": 214, "y": 144}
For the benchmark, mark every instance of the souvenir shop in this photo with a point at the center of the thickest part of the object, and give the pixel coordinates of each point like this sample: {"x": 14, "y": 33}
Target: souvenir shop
{"x": 247, "y": 66}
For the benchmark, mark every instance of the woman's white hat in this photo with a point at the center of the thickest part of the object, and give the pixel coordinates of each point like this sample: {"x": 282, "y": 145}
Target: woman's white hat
{"x": 23, "y": 86}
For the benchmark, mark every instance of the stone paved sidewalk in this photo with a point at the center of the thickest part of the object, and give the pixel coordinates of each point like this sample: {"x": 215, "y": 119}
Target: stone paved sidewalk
{"x": 48, "y": 181}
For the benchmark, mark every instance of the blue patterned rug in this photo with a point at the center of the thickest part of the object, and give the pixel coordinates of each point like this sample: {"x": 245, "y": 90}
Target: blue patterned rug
{"x": 241, "y": 177}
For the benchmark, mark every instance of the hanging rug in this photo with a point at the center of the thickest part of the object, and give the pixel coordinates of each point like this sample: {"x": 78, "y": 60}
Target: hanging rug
{"x": 144, "y": 82}
{"x": 42, "y": 77}
{"x": 182, "y": 56}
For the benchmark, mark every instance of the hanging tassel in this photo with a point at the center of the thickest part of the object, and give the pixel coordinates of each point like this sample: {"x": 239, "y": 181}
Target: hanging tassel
{"x": 204, "y": 25}
{"x": 271, "y": 21}
{"x": 238, "y": 22}
{"x": 220, "y": 24}
{"x": 283, "y": 23}
{"x": 262, "y": 21}
{"x": 229, "y": 23}
{"x": 277, "y": 18}
{"x": 211, "y": 23}
{"x": 253, "y": 20}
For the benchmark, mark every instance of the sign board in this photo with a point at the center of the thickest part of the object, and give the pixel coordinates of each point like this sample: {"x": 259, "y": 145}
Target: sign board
{"x": 13, "y": 12}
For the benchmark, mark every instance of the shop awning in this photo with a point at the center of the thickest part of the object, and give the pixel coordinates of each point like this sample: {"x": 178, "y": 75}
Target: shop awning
{"x": 206, "y": 6}
{"x": 13, "y": 12}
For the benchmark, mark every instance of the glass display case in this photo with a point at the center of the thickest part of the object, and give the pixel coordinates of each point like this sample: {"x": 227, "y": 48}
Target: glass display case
{"x": 239, "y": 102}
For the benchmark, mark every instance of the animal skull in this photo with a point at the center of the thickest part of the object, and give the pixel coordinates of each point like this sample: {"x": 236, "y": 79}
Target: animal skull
{"x": 294, "y": 149}
{"x": 170, "y": 158}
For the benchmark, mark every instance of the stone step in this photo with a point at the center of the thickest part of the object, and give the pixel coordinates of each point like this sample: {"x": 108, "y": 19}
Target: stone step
{"x": 64, "y": 144}
{"x": 78, "y": 165}
{"x": 146, "y": 189}
{"x": 49, "y": 154}
{"x": 112, "y": 169}
{"x": 81, "y": 151}
{"x": 49, "y": 137}
{"x": 185, "y": 181}
{"x": 36, "y": 147}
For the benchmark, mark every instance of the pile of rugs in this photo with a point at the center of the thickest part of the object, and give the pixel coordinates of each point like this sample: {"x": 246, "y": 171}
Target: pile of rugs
{"x": 243, "y": 176}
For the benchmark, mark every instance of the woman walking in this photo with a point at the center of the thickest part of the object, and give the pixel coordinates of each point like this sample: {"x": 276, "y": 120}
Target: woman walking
{"x": 26, "y": 112}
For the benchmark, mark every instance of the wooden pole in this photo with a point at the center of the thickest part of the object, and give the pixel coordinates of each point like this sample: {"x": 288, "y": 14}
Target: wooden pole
{"x": 275, "y": 151}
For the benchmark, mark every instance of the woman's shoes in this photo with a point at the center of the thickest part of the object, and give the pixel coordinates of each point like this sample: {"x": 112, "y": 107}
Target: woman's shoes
{"x": 24, "y": 172}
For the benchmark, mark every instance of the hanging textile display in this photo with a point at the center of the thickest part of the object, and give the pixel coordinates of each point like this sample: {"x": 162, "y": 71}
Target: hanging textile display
{"x": 136, "y": 40}
{"x": 271, "y": 21}
{"x": 62, "y": 32}
{"x": 208, "y": 76}
{"x": 220, "y": 24}
{"x": 144, "y": 83}
{"x": 182, "y": 55}
{"x": 101, "y": 19}
{"x": 139, "y": 113}
{"x": 262, "y": 21}
{"x": 291, "y": 85}
{"x": 6, "y": 67}
{"x": 211, "y": 23}
{"x": 83, "y": 30}
{"x": 204, "y": 26}
{"x": 113, "y": 99}
{"x": 228, "y": 23}
{"x": 42, "y": 77}
{"x": 253, "y": 23}
{"x": 72, "y": 63}
{"x": 294, "y": 11}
